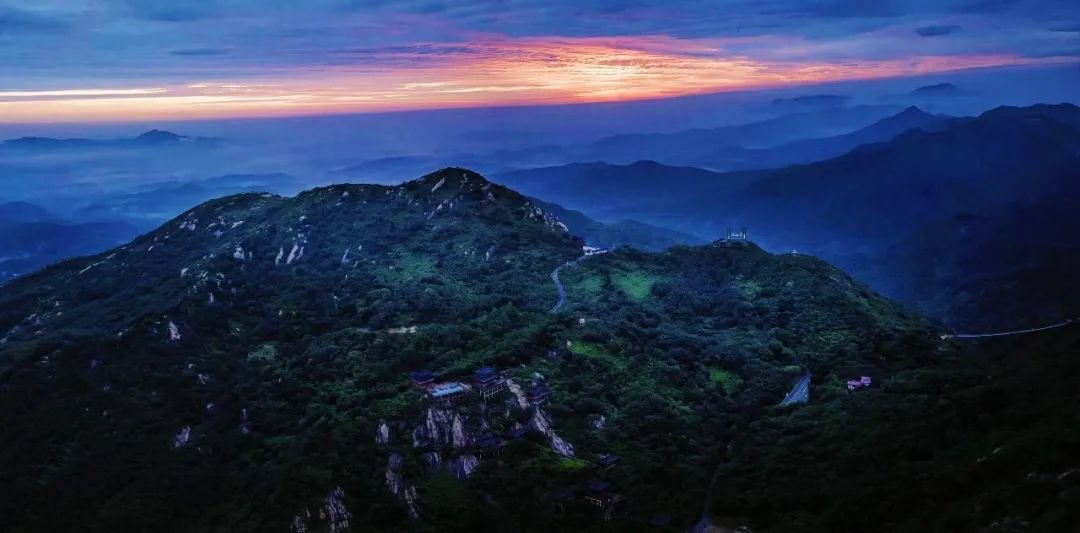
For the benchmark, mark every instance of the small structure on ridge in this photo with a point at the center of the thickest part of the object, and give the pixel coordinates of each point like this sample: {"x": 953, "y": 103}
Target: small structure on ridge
{"x": 861, "y": 383}
{"x": 447, "y": 394}
{"x": 489, "y": 381}
{"x": 734, "y": 239}
{"x": 422, "y": 378}
{"x": 599, "y": 493}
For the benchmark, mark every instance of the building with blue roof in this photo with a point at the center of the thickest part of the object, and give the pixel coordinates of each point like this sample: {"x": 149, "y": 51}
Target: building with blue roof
{"x": 446, "y": 394}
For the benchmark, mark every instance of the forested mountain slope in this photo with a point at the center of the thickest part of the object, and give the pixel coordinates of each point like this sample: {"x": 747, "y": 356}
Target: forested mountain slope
{"x": 236, "y": 367}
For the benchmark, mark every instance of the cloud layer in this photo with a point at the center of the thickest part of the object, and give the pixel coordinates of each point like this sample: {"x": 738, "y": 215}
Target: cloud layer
{"x": 247, "y": 57}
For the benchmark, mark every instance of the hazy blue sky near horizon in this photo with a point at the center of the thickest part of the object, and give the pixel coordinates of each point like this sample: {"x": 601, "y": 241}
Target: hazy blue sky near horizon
{"x": 110, "y": 60}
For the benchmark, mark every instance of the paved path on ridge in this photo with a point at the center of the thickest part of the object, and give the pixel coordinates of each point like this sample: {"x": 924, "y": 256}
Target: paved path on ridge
{"x": 559, "y": 285}
{"x": 800, "y": 391}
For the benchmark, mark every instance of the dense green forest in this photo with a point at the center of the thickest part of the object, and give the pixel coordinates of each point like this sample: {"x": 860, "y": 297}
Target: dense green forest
{"x": 234, "y": 368}
{"x": 985, "y": 440}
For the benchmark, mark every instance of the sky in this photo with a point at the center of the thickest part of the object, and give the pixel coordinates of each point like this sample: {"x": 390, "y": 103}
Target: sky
{"x": 137, "y": 60}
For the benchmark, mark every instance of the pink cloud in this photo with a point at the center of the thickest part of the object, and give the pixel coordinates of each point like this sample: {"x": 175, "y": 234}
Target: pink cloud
{"x": 492, "y": 70}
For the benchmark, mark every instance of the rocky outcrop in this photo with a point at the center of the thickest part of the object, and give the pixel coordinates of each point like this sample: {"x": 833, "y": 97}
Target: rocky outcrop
{"x": 518, "y": 392}
{"x": 541, "y": 422}
{"x": 382, "y": 436}
{"x": 405, "y": 491}
{"x": 442, "y": 427}
{"x": 463, "y": 466}
{"x": 335, "y": 512}
{"x": 598, "y": 422}
{"x": 182, "y": 437}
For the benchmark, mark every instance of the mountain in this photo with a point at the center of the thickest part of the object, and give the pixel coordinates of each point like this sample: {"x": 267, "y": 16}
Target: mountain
{"x": 29, "y": 246}
{"x": 690, "y": 146}
{"x": 619, "y": 233}
{"x": 32, "y": 237}
{"x": 937, "y": 90}
{"x": 818, "y": 149}
{"x": 157, "y": 202}
{"x": 18, "y": 212}
{"x": 861, "y": 198}
{"x": 980, "y": 442}
{"x": 611, "y": 192}
{"x": 149, "y": 138}
{"x": 1006, "y": 267}
{"x": 154, "y": 137}
{"x": 858, "y": 209}
{"x": 810, "y": 102}
{"x": 246, "y": 367}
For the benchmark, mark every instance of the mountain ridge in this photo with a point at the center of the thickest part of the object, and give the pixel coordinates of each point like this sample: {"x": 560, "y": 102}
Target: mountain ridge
{"x": 153, "y": 137}
{"x": 255, "y": 336}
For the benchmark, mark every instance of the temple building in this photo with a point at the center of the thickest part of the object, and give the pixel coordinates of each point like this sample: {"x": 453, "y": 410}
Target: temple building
{"x": 422, "y": 378}
{"x": 447, "y": 394}
{"x": 599, "y": 493}
{"x": 489, "y": 381}
{"x": 734, "y": 239}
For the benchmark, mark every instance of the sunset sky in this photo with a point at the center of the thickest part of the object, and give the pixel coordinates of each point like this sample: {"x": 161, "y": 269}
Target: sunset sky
{"x": 115, "y": 60}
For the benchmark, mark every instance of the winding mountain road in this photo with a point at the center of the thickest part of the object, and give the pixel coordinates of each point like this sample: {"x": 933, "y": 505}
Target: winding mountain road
{"x": 559, "y": 287}
{"x": 558, "y": 283}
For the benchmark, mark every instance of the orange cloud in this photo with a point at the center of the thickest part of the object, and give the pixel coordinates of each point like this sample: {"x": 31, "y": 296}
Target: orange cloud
{"x": 483, "y": 73}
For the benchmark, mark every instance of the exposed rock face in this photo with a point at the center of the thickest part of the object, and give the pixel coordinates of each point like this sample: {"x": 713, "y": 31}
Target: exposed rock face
{"x": 542, "y": 422}
{"x": 404, "y": 490}
{"x": 336, "y": 513}
{"x": 518, "y": 392}
{"x": 182, "y": 437}
{"x": 460, "y": 437}
{"x": 598, "y": 422}
{"x": 174, "y": 331}
{"x": 298, "y": 525}
{"x": 383, "y": 435}
{"x": 442, "y": 427}
{"x": 463, "y": 466}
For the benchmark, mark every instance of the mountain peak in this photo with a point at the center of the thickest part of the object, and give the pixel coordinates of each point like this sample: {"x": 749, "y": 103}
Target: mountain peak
{"x": 157, "y": 137}
{"x": 937, "y": 89}
{"x": 646, "y": 163}
{"x": 912, "y": 111}
{"x": 451, "y": 176}
{"x": 911, "y": 117}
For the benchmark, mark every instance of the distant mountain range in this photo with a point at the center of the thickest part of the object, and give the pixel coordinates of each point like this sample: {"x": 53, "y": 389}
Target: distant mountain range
{"x": 691, "y": 147}
{"x": 611, "y": 192}
{"x": 31, "y": 237}
{"x": 858, "y": 208}
{"x": 158, "y": 202}
{"x": 937, "y": 90}
{"x": 619, "y": 233}
{"x": 147, "y": 139}
{"x": 801, "y": 118}
{"x": 23, "y": 212}
{"x": 818, "y": 149}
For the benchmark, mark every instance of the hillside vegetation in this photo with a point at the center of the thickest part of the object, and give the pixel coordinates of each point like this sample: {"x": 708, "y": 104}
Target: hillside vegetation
{"x": 234, "y": 368}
